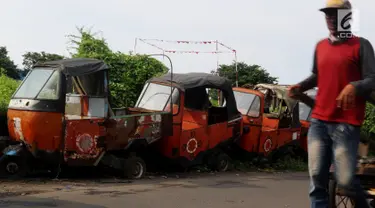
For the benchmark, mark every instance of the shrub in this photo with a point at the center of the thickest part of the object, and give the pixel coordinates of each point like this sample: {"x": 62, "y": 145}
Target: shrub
{"x": 7, "y": 88}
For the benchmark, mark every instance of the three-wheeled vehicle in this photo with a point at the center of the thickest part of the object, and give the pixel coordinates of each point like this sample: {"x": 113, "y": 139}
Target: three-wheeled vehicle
{"x": 305, "y": 109}
{"x": 271, "y": 120}
{"x": 201, "y": 131}
{"x": 61, "y": 114}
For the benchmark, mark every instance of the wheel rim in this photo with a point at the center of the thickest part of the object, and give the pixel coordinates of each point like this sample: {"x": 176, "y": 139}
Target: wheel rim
{"x": 12, "y": 167}
{"x": 138, "y": 170}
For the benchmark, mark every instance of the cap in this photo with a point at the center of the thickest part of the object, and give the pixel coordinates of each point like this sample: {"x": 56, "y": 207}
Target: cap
{"x": 336, "y": 4}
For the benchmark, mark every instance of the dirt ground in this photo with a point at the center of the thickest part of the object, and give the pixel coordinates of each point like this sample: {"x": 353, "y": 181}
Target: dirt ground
{"x": 237, "y": 190}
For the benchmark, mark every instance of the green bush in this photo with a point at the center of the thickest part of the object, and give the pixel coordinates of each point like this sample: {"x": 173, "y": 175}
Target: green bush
{"x": 128, "y": 73}
{"x": 7, "y": 88}
{"x": 369, "y": 124}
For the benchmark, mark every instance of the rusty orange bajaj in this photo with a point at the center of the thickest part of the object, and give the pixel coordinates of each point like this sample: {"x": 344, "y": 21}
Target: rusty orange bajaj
{"x": 271, "y": 121}
{"x": 305, "y": 109}
{"x": 201, "y": 132}
{"x": 61, "y": 114}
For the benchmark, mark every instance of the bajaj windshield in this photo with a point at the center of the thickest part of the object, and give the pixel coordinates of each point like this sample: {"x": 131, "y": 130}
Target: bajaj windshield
{"x": 244, "y": 101}
{"x": 40, "y": 84}
{"x": 156, "y": 97}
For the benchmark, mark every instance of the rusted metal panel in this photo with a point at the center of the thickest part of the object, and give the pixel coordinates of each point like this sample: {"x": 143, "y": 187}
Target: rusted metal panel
{"x": 122, "y": 130}
{"x": 81, "y": 139}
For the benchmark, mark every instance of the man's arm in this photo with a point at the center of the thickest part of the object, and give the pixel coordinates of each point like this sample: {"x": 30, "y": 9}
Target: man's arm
{"x": 311, "y": 81}
{"x": 365, "y": 86}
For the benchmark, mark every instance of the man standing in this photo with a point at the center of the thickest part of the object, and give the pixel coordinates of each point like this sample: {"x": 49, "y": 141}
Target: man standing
{"x": 344, "y": 72}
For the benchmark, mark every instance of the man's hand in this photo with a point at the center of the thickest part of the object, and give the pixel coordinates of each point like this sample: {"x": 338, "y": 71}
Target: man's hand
{"x": 346, "y": 99}
{"x": 293, "y": 91}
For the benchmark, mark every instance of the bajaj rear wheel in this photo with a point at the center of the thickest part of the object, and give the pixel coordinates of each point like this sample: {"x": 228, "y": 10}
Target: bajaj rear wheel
{"x": 135, "y": 168}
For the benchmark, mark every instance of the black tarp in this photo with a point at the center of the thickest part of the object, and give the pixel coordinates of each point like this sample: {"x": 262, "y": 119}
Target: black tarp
{"x": 85, "y": 73}
{"x": 75, "y": 66}
{"x": 190, "y": 81}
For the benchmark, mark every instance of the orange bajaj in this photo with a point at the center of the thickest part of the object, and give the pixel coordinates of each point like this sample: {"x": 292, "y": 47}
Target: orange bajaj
{"x": 61, "y": 114}
{"x": 305, "y": 116}
{"x": 201, "y": 130}
{"x": 271, "y": 121}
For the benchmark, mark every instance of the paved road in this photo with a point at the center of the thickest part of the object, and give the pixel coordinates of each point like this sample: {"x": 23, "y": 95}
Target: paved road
{"x": 229, "y": 190}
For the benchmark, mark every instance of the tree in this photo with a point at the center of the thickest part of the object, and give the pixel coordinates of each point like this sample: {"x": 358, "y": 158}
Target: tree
{"x": 247, "y": 74}
{"x": 8, "y": 66}
{"x": 31, "y": 58}
{"x": 128, "y": 73}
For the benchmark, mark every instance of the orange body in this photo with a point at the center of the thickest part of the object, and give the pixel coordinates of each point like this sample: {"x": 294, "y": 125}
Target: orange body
{"x": 304, "y": 130}
{"x": 264, "y": 134}
{"x": 40, "y": 130}
{"x": 81, "y": 138}
{"x": 192, "y": 133}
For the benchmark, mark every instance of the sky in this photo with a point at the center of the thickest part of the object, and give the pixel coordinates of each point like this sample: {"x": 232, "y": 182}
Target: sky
{"x": 280, "y": 36}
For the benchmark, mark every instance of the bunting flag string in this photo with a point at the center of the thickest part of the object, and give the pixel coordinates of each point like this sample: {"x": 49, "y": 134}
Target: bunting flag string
{"x": 197, "y": 52}
{"x": 153, "y": 45}
{"x": 147, "y": 41}
{"x": 234, "y": 51}
{"x": 182, "y": 41}
{"x": 217, "y": 43}
{"x": 190, "y": 42}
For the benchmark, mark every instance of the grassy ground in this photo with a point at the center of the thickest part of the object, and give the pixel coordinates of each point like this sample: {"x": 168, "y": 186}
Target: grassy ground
{"x": 285, "y": 164}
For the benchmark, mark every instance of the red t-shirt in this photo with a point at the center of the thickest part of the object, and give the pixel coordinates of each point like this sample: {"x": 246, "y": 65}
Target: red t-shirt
{"x": 337, "y": 65}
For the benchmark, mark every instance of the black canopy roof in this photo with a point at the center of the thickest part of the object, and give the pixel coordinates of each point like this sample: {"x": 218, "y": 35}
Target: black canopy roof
{"x": 195, "y": 80}
{"x": 203, "y": 80}
{"x": 75, "y": 66}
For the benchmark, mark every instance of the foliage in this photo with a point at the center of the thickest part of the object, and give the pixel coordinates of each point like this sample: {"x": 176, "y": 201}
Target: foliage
{"x": 8, "y": 86}
{"x": 31, "y": 58}
{"x": 2, "y": 71}
{"x": 368, "y": 128}
{"x": 7, "y": 64}
{"x": 247, "y": 74}
{"x": 369, "y": 124}
{"x": 291, "y": 164}
{"x": 128, "y": 73}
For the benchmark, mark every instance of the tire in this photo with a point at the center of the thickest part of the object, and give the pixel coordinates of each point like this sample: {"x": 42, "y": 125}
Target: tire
{"x": 135, "y": 168}
{"x": 13, "y": 167}
{"x": 221, "y": 162}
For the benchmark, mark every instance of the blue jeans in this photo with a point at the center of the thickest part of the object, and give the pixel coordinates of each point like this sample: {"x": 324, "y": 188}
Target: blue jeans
{"x": 337, "y": 143}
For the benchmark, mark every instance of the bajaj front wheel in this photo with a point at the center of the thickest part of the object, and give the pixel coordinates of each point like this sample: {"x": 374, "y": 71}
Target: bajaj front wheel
{"x": 13, "y": 167}
{"x": 135, "y": 168}
{"x": 219, "y": 162}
